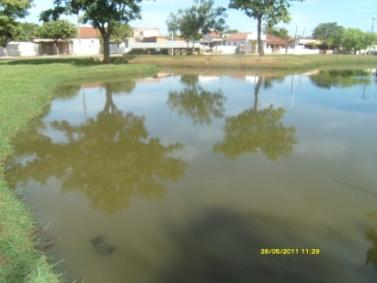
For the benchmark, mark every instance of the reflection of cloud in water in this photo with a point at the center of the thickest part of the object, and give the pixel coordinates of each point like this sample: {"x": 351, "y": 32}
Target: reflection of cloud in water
{"x": 208, "y": 79}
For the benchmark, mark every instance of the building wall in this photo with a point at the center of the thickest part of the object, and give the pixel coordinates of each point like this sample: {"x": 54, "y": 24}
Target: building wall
{"x": 86, "y": 46}
{"x": 20, "y": 49}
{"x": 118, "y": 48}
{"x": 140, "y": 33}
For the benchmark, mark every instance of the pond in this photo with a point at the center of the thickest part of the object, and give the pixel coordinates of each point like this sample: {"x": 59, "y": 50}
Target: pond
{"x": 185, "y": 178}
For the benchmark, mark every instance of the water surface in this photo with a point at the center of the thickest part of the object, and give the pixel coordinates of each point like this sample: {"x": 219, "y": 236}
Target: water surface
{"x": 184, "y": 178}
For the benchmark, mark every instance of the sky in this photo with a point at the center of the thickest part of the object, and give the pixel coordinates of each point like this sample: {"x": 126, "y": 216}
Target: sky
{"x": 305, "y": 15}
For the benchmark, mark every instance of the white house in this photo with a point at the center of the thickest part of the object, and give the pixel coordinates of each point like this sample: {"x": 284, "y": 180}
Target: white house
{"x": 141, "y": 33}
{"x": 87, "y": 42}
{"x": 246, "y": 42}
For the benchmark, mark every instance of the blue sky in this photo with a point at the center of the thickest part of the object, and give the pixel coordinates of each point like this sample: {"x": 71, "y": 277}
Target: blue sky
{"x": 305, "y": 16}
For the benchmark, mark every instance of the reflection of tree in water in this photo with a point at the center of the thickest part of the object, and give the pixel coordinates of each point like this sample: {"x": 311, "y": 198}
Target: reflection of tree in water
{"x": 254, "y": 130}
{"x": 341, "y": 78}
{"x": 110, "y": 158}
{"x": 372, "y": 252}
{"x": 194, "y": 101}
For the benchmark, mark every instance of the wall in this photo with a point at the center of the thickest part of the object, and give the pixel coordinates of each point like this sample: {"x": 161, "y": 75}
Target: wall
{"x": 118, "y": 48}
{"x": 86, "y": 46}
{"x": 224, "y": 49}
{"x": 301, "y": 50}
{"x": 19, "y": 49}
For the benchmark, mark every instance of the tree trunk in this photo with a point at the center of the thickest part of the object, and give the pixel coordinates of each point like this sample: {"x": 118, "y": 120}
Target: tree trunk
{"x": 56, "y": 47}
{"x": 260, "y": 44}
{"x": 106, "y": 48}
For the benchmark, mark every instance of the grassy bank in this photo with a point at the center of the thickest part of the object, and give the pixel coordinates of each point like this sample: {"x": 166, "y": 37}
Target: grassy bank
{"x": 26, "y": 89}
{"x": 273, "y": 62}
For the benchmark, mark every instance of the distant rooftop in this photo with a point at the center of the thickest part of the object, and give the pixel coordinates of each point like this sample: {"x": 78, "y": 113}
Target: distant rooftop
{"x": 87, "y": 32}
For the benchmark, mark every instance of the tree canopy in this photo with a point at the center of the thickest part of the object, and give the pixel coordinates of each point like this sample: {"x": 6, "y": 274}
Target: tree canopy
{"x": 257, "y": 130}
{"x": 330, "y": 33}
{"x": 56, "y": 30}
{"x": 279, "y": 32}
{"x": 103, "y": 15}
{"x": 269, "y": 11}
{"x": 121, "y": 32}
{"x": 194, "y": 101}
{"x": 194, "y": 22}
{"x": 26, "y": 31}
{"x": 10, "y": 10}
{"x": 355, "y": 39}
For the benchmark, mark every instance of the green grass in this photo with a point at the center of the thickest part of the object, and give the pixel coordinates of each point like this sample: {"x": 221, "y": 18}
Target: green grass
{"x": 26, "y": 89}
{"x": 272, "y": 62}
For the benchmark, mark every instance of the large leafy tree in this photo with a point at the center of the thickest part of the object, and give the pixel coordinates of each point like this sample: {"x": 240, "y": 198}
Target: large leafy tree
{"x": 194, "y": 22}
{"x": 257, "y": 130}
{"x": 269, "y": 11}
{"x": 194, "y": 101}
{"x": 10, "y": 10}
{"x": 355, "y": 39}
{"x": 330, "y": 33}
{"x": 56, "y": 30}
{"x": 104, "y": 15}
{"x": 26, "y": 31}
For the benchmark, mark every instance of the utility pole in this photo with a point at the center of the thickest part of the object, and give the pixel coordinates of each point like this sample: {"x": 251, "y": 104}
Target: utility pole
{"x": 372, "y": 30}
{"x": 373, "y": 20}
{"x": 172, "y": 33}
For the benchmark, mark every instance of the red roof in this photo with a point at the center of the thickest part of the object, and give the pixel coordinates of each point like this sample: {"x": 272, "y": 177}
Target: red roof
{"x": 239, "y": 36}
{"x": 275, "y": 40}
{"x": 88, "y": 32}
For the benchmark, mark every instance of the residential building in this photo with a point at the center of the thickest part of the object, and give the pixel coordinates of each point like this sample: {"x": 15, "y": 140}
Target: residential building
{"x": 141, "y": 33}
{"x": 246, "y": 42}
{"x": 87, "y": 42}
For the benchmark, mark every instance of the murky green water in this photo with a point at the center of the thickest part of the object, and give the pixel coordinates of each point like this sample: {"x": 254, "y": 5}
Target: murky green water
{"x": 185, "y": 178}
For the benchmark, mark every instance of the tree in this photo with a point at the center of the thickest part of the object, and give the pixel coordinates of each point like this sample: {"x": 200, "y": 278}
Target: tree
{"x": 330, "y": 33}
{"x": 279, "y": 32}
{"x": 120, "y": 33}
{"x": 355, "y": 40}
{"x": 257, "y": 130}
{"x": 199, "y": 104}
{"x": 103, "y": 15}
{"x": 57, "y": 30}
{"x": 26, "y": 31}
{"x": 270, "y": 11}
{"x": 10, "y": 10}
{"x": 195, "y": 22}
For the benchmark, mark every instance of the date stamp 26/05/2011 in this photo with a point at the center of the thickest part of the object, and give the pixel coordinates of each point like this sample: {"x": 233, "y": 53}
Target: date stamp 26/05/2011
{"x": 291, "y": 251}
